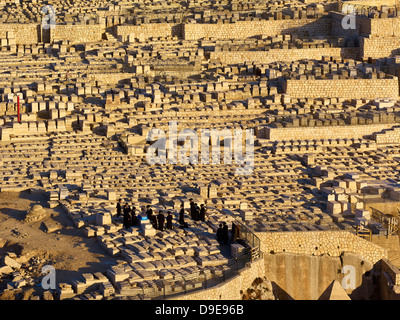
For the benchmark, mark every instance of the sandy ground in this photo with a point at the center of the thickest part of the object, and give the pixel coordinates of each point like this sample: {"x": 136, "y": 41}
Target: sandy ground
{"x": 67, "y": 249}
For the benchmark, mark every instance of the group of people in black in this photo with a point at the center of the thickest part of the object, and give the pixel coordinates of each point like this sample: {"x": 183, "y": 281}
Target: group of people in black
{"x": 223, "y": 233}
{"x": 132, "y": 219}
{"x": 159, "y": 221}
{"x": 197, "y": 213}
{"x": 129, "y": 214}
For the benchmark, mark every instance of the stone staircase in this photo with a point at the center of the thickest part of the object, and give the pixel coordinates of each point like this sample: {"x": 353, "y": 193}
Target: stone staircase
{"x": 110, "y": 37}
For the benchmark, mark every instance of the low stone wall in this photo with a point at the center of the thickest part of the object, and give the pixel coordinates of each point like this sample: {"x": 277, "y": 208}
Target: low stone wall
{"x": 391, "y": 243}
{"x": 264, "y": 57}
{"x": 110, "y": 78}
{"x": 318, "y": 243}
{"x": 344, "y": 88}
{"x": 323, "y": 132}
{"x": 230, "y": 289}
{"x": 265, "y": 28}
{"x": 372, "y": 3}
{"x": 387, "y": 206}
{"x": 27, "y": 33}
{"x": 388, "y": 27}
{"x": 150, "y": 30}
{"x": 77, "y": 33}
{"x": 388, "y": 136}
{"x": 379, "y": 47}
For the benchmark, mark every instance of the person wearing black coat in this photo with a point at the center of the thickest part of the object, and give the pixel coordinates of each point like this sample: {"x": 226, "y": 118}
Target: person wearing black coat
{"x": 181, "y": 215}
{"x": 134, "y": 219}
{"x": 196, "y": 215}
{"x": 154, "y": 221}
{"x": 149, "y": 212}
{"x": 119, "y": 208}
{"x": 160, "y": 220}
{"x": 202, "y": 215}
{"x": 127, "y": 219}
{"x": 192, "y": 208}
{"x": 169, "y": 221}
{"x": 126, "y": 209}
{"x": 225, "y": 234}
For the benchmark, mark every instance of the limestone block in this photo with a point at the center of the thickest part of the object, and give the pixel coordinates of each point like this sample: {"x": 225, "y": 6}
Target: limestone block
{"x": 65, "y": 291}
{"x": 107, "y": 289}
{"x": 111, "y": 195}
{"x": 333, "y": 207}
{"x": 103, "y": 218}
{"x": 117, "y": 275}
{"x": 361, "y": 213}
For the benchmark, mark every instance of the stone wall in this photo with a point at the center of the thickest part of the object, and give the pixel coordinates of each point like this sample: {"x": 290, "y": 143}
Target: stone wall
{"x": 110, "y": 78}
{"x": 391, "y": 243}
{"x": 366, "y": 26}
{"x": 77, "y": 33}
{"x": 387, "y": 206}
{"x": 264, "y": 57}
{"x": 29, "y": 33}
{"x": 230, "y": 289}
{"x": 265, "y": 28}
{"x": 150, "y": 30}
{"x": 379, "y": 47}
{"x": 306, "y": 277}
{"x": 363, "y": 26}
{"x": 344, "y": 88}
{"x": 385, "y": 27}
{"x": 323, "y": 132}
{"x": 302, "y": 266}
{"x": 372, "y": 3}
{"x": 318, "y": 243}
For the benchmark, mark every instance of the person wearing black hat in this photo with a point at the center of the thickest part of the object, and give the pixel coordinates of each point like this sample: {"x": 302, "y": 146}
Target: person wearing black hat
{"x": 154, "y": 221}
{"x": 119, "y": 208}
{"x": 149, "y": 212}
{"x": 160, "y": 218}
{"x": 169, "y": 221}
{"x": 225, "y": 234}
{"x": 196, "y": 215}
{"x": 192, "y": 208}
{"x": 127, "y": 217}
{"x": 132, "y": 213}
{"x": 134, "y": 218}
{"x": 202, "y": 216}
{"x": 181, "y": 215}
{"x": 126, "y": 209}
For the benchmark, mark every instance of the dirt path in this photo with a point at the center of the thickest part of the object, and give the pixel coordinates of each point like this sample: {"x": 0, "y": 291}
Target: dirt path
{"x": 67, "y": 249}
